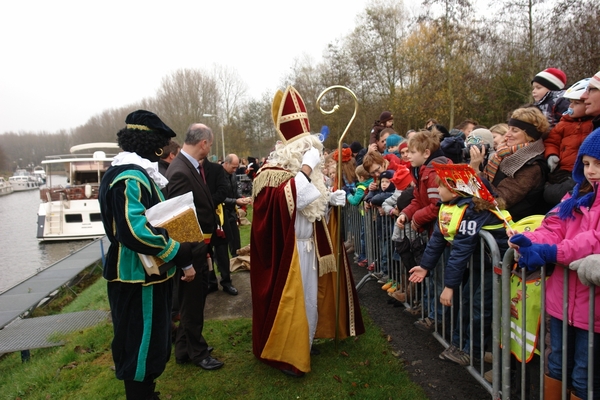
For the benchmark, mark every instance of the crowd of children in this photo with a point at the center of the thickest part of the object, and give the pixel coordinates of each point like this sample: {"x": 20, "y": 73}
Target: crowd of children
{"x": 544, "y": 159}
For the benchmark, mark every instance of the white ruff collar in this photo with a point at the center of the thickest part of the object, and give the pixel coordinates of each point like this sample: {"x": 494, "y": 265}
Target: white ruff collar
{"x": 125, "y": 157}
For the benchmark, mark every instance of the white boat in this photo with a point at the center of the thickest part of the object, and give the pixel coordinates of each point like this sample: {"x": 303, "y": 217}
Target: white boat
{"x": 72, "y": 212}
{"x": 23, "y": 180}
{"x": 5, "y": 187}
{"x": 40, "y": 173}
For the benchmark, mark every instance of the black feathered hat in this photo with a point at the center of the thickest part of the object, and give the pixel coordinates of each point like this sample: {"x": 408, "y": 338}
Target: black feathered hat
{"x": 148, "y": 121}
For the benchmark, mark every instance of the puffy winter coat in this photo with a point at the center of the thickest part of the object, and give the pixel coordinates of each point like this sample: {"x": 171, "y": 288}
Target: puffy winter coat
{"x": 575, "y": 239}
{"x": 565, "y": 138}
{"x": 424, "y": 208}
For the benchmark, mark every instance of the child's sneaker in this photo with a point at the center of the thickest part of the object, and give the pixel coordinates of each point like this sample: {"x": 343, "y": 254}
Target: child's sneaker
{"x": 489, "y": 376}
{"x": 399, "y": 295}
{"x": 387, "y": 285}
{"x": 414, "y": 310}
{"x": 425, "y": 324}
{"x": 393, "y": 288}
{"x": 377, "y": 275}
{"x": 371, "y": 266}
{"x": 488, "y": 357}
{"x": 383, "y": 279}
{"x": 454, "y": 354}
{"x": 447, "y": 351}
{"x": 362, "y": 263}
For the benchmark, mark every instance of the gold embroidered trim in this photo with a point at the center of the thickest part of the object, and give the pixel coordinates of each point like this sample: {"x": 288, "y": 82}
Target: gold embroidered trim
{"x": 269, "y": 178}
{"x": 327, "y": 263}
{"x": 303, "y": 122}
{"x": 289, "y": 198}
{"x": 138, "y": 127}
{"x": 292, "y": 117}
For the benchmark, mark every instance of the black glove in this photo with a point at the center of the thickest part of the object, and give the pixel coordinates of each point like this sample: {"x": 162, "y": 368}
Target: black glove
{"x": 184, "y": 256}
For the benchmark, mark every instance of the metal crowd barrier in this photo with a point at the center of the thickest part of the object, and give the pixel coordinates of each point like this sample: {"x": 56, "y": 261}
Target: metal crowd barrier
{"x": 510, "y": 378}
{"x": 244, "y": 184}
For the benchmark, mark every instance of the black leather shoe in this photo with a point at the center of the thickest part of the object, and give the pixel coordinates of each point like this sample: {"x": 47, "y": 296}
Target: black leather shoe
{"x": 314, "y": 351}
{"x": 210, "y": 363}
{"x": 229, "y": 289}
{"x": 186, "y": 359}
{"x": 213, "y": 288}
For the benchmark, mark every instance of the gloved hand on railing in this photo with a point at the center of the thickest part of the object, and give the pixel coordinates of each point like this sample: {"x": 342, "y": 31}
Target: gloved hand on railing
{"x": 588, "y": 269}
{"x": 338, "y": 198}
{"x": 533, "y": 255}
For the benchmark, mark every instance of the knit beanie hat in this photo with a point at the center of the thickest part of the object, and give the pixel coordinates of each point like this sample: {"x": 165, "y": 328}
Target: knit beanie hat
{"x": 589, "y": 147}
{"x": 385, "y": 116}
{"x": 403, "y": 145}
{"x": 551, "y": 78}
{"x": 355, "y": 147}
{"x": 393, "y": 140}
{"x": 481, "y": 135}
{"x": 389, "y": 174}
{"x": 595, "y": 81}
{"x": 402, "y": 178}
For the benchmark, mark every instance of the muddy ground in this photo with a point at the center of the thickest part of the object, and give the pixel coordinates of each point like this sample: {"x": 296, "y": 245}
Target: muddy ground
{"x": 441, "y": 380}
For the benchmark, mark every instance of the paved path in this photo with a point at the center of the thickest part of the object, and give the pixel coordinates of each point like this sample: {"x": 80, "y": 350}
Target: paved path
{"x": 220, "y": 305}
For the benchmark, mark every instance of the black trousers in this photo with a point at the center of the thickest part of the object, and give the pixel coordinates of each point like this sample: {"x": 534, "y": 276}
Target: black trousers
{"x": 190, "y": 342}
{"x": 233, "y": 233}
{"x": 142, "y": 329}
{"x": 221, "y": 258}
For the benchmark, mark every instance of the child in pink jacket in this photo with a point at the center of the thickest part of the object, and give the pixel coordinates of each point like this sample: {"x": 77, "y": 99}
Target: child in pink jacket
{"x": 570, "y": 232}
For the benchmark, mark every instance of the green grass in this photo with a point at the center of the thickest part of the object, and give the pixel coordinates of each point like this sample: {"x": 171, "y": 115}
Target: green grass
{"x": 361, "y": 368}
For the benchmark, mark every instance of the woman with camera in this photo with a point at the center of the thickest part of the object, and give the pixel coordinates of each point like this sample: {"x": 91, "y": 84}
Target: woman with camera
{"x": 518, "y": 170}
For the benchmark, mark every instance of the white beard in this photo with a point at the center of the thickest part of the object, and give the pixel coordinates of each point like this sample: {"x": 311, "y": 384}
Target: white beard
{"x": 289, "y": 157}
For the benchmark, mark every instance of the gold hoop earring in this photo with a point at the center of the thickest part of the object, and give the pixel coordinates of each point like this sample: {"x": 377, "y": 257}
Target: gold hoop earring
{"x": 159, "y": 154}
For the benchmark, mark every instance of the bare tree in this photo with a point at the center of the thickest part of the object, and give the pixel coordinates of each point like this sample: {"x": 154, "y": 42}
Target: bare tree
{"x": 184, "y": 96}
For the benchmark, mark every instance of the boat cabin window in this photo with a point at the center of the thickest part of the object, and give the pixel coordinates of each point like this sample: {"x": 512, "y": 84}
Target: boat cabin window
{"x": 81, "y": 178}
{"x": 70, "y": 218}
{"x": 96, "y": 217}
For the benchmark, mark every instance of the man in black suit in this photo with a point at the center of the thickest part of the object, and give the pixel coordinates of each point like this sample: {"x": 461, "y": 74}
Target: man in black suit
{"x": 232, "y": 201}
{"x": 184, "y": 174}
{"x": 217, "y": 184}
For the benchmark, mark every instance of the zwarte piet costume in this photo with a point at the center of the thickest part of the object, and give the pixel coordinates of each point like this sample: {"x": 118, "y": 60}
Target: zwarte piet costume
{"x": 140, "y": 303}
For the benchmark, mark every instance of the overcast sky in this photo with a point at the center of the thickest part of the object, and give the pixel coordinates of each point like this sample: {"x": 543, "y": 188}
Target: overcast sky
{"x": 65, "y": 61}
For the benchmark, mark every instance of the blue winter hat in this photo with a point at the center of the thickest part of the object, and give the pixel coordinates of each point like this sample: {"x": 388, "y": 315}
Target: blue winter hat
{"x": 389, "y": 174}
{"x": 393, "y": 140}
{"x": 589, "y": 147}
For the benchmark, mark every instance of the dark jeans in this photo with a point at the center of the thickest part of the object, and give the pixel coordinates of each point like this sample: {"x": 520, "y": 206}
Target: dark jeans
{"x": 577, "y": 357}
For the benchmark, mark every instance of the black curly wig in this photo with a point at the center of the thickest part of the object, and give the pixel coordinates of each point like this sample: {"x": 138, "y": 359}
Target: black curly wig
{"x": 144, "y": 143}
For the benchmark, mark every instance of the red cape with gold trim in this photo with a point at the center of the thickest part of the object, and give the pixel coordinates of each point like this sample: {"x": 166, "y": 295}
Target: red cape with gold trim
{"x": 279, "y": 324}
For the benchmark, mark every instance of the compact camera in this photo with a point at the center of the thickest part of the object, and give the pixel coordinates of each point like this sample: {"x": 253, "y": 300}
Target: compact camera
{"x": 467, "y": 150}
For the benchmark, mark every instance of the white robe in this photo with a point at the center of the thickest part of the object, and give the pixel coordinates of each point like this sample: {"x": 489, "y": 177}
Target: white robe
{"x": 306, "y": 193}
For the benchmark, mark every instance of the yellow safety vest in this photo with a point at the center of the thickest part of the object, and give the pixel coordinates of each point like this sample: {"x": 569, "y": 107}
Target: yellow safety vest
{"x": 450, "y": 220}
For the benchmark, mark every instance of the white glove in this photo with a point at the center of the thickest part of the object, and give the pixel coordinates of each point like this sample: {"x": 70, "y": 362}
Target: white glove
{"x": 588, "y": 269}
{"x": 311, "y": 158}
{"x": 552, "y": 162}
{"x": 338, "y": 198}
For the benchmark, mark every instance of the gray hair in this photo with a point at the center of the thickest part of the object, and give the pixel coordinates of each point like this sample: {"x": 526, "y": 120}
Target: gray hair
{"x": 229, "y": 158}
{"x": 197, "y": 133}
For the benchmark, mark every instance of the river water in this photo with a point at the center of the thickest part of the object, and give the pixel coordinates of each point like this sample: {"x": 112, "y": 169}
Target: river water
{"x": 22, "y": 254}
